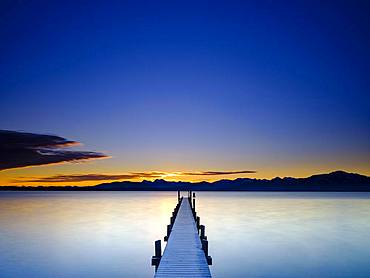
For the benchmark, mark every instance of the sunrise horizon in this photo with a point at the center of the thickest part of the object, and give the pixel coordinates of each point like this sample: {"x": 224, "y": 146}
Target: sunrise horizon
{"x": 30, "y": 159}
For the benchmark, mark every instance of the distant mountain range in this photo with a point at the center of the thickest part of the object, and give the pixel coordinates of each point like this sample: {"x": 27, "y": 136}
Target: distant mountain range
{"x": 335, "y": 181}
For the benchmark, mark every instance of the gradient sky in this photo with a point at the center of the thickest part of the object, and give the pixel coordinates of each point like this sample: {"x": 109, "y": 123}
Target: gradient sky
{"x": 280, "y": 87}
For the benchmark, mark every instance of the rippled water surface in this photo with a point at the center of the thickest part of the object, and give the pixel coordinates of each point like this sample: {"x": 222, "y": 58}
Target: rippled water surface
{"x": 111, "y": 234}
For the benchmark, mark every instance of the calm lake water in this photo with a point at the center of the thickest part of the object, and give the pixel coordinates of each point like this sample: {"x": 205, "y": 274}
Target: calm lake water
{"x": 112, "y": 234}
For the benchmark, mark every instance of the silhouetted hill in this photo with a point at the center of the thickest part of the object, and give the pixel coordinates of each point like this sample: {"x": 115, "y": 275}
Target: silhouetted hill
{"x": 335, "y": 181}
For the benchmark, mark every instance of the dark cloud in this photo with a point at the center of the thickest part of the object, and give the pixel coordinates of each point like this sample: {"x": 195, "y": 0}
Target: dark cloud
{"x": 93, "y": 177}
{"x": 126, "y": 176}
{"x": 21, "y": 149}
{"x": 216, "y": 173}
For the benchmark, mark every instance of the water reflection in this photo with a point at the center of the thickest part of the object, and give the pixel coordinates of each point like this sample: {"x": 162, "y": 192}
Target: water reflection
{"x": 81, "y": 234}
{"x": 111, "y": 234}
{"x": 288, "y": 234}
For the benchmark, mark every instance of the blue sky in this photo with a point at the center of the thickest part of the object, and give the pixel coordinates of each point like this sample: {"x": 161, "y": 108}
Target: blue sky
{"x": 279, "y": 87}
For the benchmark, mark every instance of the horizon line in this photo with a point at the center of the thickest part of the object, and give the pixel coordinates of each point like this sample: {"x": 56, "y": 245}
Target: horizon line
{"x": 191, "y": 182}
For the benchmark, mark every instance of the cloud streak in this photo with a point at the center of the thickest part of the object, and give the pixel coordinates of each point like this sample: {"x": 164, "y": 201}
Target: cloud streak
{"x": 92, "y": 177}
{"x": 217, "y": 173}
{"x": 22, "y": 149}
{"x": 126, "y": 176}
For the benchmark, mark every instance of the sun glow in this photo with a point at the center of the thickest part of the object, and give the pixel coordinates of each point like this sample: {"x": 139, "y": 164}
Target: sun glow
{"x": 170, "y": 175}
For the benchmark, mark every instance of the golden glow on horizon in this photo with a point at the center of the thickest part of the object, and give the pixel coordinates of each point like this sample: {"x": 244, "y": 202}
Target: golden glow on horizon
{"x": 9, "y": 178}
{"x": 266, "y": 170}
{"x": 170, "y": 175}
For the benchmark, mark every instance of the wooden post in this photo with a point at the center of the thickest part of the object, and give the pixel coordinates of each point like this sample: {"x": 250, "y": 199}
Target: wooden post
{"x": 205, "y": 249}
{"x": 158, "y": 254}
{"x": 169, "y": 228}
{"x": 202, "y": 232}
{"x": 194, "y": 201}
{"x": 158, "y": 248}
{"x": 198, "y": 222}
{"x": 205, "y": 246}
{"x": 178, "y": 196}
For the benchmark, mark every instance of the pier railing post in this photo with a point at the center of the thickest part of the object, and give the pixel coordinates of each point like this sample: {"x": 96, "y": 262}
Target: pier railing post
{"x": 157, "y": 254}
{"x": 194, "y": 201}
{"x": 205, "y": 249}
{"x": 169, "y": 228}
{"x": 158, "y": 248}
{"x": 205, "y": 246}
{"x": 202, "y": 232}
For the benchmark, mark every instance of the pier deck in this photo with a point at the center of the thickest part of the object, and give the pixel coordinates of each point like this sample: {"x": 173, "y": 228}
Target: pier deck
{"x": 183, "y": 255}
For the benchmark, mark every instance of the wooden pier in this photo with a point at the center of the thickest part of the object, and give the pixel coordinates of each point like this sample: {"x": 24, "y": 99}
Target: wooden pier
{"x": 186, "y": 252}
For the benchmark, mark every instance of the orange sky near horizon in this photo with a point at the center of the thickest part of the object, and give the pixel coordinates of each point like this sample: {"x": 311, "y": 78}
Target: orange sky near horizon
{"x": 16, "y": 177}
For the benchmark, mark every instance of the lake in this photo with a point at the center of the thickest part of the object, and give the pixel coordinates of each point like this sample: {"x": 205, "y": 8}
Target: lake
{"x": 251, "y": 234}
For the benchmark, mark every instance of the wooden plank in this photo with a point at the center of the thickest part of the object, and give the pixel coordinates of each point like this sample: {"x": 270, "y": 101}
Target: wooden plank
{"x": 183, "y": 255}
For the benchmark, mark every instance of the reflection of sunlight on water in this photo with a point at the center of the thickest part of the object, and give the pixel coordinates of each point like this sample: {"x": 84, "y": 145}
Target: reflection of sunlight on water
{"x": 111, "y": 234}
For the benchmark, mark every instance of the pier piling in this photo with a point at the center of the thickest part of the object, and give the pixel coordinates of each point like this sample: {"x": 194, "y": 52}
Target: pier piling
{"x": 158, "y": 253}
{"x": 202, "y": 232}
{"x": 194, "y": 201}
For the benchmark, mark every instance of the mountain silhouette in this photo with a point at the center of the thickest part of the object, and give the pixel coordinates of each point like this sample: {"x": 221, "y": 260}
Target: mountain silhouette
{"x": 334, "y": 181}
